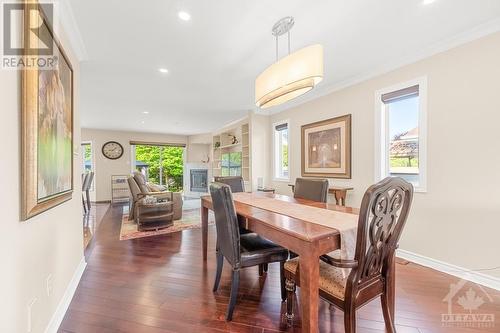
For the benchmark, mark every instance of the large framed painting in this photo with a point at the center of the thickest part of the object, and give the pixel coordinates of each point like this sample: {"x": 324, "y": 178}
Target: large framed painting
{"x": 47, "y": 125}
{"x": 326, "y": 148}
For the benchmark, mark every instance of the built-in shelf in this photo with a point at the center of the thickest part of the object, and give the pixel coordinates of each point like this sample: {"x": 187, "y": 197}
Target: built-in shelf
{"x": 230, "y": 146}
{"x": 240, "y": 132}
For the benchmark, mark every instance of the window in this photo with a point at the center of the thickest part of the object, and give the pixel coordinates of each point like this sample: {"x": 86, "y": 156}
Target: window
{"x": 87, "y": 157}
{"x": 281, "y": 158}
{"x": 401, "y": 133}
{"x": 161, "y": 164}
{"x": 87, "y": 160}
{"x": 231, "y": 164}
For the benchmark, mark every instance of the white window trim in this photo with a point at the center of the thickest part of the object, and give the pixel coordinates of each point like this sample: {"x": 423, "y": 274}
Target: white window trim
{"x": 275, "y": 177}
{"x": 132, "y": 159}
{"x": 382, "y": 143}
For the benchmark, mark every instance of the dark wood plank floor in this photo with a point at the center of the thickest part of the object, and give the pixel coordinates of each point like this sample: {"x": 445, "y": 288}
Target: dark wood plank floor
{"x": 160, "y": 284}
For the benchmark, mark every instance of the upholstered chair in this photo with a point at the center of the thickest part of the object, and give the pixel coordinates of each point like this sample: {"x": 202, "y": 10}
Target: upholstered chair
{"x": 85, "y": 179}
{"x": 88, "y": 185}
{"x": 350, "y": 284}
{"x": 239, "y": 250}
{"x": 311, "y": 189}
{"x": 236, "y": 183}
{"x": 141, "y": 186}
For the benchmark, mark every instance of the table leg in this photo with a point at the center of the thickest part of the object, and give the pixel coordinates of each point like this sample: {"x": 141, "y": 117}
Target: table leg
{"x": 337, "y": 197}
{"x": 204, "y": 231}
{"x": 309, "y": 293}
{"x": 340, "y": 197}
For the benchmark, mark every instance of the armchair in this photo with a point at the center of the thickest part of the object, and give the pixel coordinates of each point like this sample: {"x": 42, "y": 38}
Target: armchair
{"x": 139, "y": 189}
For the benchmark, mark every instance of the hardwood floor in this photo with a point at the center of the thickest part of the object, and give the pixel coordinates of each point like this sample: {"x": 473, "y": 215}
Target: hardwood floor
{"x": 92, "y": 220}
{"x": 160, "y": 284}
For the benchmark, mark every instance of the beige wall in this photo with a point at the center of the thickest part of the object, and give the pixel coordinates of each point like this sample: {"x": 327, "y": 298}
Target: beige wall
{"x": 105, "y": 167}
{"x": 50, "y": 243}
{"x": 457, "y": 220}
{"x": 260, "y": 143}
{"x": 197, "y": 152}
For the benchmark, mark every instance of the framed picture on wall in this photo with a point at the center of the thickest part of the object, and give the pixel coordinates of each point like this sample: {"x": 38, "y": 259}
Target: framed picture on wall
{"x": 47, "y": 122}
{"x": 326, "y": 148}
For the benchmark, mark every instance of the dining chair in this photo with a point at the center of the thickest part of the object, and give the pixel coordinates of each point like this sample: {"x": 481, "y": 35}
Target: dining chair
{"x": 236, "y": 183}
{"x": 311, "y": 189}
{"x": 350, "y": 284}
{"x": 239, "y": 250}
{"x": 87, "y": 188}
{"x": 85, "y": 180}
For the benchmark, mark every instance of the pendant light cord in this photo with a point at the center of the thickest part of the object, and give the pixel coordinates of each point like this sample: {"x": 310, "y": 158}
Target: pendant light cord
{"x": 289, "y": 42}
{"x": 276, "y": 47}
{"x": 280, "y": 28}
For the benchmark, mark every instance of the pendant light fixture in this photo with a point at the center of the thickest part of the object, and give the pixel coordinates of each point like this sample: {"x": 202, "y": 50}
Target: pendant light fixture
{"x": 291, "y": 76}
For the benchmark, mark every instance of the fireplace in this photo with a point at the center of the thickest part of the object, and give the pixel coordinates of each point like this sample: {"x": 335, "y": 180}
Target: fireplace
{"x": 198, "y": 180}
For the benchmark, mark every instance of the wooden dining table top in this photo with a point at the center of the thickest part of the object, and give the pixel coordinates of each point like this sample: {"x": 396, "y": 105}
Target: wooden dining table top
{"x": 304, "y": 230}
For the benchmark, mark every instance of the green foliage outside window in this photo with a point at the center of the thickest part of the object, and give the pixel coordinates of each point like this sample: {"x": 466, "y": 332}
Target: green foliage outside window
{"x": 285, "y": 157}
{"x": 87, "y": 156}
{"x": 400, "y": 162}
{"x": 172, "y": 164}
{"x": 231, "y": 164}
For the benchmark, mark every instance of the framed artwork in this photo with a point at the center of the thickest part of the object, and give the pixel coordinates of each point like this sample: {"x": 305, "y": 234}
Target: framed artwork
{"x": 47, "y": 126}
{"x": 326, "y": 148}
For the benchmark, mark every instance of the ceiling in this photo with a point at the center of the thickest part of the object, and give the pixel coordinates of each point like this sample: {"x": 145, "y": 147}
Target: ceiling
{"x": 214, "y": 58}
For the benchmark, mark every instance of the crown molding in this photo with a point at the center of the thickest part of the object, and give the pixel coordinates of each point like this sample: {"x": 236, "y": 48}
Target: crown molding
{"x": 470, "y": 35}
{"x": 68, "y": 23}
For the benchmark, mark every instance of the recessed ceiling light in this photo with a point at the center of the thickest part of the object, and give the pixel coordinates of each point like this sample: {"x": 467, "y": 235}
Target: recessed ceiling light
{"x": 428, "y": 2}
{"x": 185, "y": 16}
{"x": 145, "y": 112}
{"x": 142, "y": 122}
{"x": 163, "y": 70}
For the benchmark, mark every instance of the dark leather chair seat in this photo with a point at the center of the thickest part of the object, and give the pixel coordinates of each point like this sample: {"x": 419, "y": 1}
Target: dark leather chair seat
{"x": 256, "y": 250}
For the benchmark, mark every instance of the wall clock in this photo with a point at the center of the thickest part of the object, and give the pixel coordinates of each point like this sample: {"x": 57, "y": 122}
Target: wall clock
{"x": 112, "y": 150}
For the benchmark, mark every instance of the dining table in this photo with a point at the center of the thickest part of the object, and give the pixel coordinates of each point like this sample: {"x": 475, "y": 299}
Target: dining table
{"x": 307, "y": 239}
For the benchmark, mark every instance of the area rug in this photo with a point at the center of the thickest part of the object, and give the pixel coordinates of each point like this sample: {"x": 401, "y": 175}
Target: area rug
{"x": 191, "y": 219}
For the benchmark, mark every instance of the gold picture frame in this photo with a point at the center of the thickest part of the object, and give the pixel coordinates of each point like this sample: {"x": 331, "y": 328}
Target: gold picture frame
{"x": 326, "y": 148}
{"x": 47, "y": 124}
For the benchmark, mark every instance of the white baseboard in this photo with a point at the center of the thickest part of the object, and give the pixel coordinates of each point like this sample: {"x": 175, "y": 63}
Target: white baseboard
{"x": 459, "y": 272}
{"x": 63, "y": 305}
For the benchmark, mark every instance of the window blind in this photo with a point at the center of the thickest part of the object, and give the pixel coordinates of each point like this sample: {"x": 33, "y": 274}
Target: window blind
{"x": 400, "y": 94}
{"x": 145, "y": 143}
{"x": 281, "y": 127}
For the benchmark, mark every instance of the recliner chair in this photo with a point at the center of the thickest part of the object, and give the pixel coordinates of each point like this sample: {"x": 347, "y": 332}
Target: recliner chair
{"x": 139, "y": 189}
